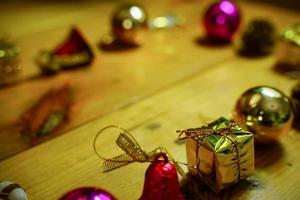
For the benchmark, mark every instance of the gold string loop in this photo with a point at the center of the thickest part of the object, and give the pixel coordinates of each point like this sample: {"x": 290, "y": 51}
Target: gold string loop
{"x": 133, "y": 152}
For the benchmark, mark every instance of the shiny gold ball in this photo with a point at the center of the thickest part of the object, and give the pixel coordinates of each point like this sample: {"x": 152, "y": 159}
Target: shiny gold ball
{"x": 296, "y": 99}
{"x": 129, "y": 22}
{"x": 288, "y": 51}
{"x": 266, "y": 112}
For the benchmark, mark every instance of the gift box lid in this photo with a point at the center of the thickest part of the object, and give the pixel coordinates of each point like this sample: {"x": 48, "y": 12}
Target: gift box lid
{"x": 221, "y": 143}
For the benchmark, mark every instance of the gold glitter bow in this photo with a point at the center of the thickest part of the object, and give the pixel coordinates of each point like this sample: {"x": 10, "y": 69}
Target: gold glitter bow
{"x": 202, "y": 133}
{"x": 133, "y": 152}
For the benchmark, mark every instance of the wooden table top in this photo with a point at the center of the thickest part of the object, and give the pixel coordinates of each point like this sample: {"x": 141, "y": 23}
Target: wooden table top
{"x": 169, "y": 83}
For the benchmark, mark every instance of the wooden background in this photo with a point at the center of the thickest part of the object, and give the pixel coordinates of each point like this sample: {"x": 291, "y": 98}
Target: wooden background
{"x": 171, "y": 82}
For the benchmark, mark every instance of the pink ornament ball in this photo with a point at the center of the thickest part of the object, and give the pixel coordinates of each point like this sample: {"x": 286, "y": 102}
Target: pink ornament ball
{"x": 88, "y": 193}
{"x": 222, "y": 20}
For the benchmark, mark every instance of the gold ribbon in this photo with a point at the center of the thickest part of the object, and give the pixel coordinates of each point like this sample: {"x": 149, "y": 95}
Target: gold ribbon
{"x": 133, "y": 152}
{"x": 200, "y": 134}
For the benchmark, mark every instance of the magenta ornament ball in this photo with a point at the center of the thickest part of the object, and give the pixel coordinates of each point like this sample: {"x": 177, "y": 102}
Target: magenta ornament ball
{"x": 222, "y": 20}
{"x": 88, "y": 193}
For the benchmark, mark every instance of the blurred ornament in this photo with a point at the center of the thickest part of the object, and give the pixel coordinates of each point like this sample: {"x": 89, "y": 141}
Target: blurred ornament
{"x": 12, "y": 191}
{"x": 45, "y": 117}
{"x": 296, "y": 98}
{"x": 258, "y": 38}
{"x": 88, "y": 193}
{"x": 222, "y": 20}
{"x": 129, "y": 26}
{"x": 9, "y": 61}
{"x": 166, "y": 21}
{"x": 266, "y": 112}
{"x": 128, "y": 23}
{"x": 288, "y": 51}
{"x": 73, "y": 52}
{"x": 161, "y": 181}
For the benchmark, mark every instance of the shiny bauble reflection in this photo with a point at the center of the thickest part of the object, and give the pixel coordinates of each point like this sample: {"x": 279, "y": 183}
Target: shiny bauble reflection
{"x": 222, "y": 20}
{"x": 296, "y": 98}
{"x": 129, "y": 22}
{"x": 9, "y": 62}
{"x": 88, "y": 193}
{"x": 266, "y": 112}
{"x": 288, "y": 51}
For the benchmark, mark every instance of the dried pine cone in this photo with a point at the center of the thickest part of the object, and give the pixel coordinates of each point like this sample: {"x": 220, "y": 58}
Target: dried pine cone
{"x": 258, "y": 39}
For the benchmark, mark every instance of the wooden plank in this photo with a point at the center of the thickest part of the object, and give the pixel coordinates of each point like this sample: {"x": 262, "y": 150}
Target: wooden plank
{"x": 49, "y": 170}
{"x": 172, "y": 90}
{"x": 116, "y": 79}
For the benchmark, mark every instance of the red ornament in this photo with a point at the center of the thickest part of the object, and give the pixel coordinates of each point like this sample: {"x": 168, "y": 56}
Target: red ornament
{"x": 75, "y": 43}
{"x": 161, "y": 180}
{"x": 73, "y": 52}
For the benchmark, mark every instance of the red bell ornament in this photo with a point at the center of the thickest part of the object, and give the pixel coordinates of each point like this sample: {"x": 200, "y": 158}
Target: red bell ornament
{"x": 161, "y": 180}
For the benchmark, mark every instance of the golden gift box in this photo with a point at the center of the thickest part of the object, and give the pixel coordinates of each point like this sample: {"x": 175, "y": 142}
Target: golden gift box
{"x": 220, "y": 154}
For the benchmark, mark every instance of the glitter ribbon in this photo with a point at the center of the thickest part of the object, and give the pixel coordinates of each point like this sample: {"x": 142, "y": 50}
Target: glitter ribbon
{"x": 133, "y": 152}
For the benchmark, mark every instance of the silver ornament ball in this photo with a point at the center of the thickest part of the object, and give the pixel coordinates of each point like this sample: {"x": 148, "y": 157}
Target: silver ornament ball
{"x": 12, "y": 191}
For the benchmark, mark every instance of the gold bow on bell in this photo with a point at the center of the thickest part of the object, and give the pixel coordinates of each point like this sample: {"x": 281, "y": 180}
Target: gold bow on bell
{"x": 133, "y": 152}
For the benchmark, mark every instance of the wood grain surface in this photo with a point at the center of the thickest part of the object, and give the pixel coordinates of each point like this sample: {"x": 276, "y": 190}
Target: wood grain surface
{"x": 170, "y": 83}
{"x": 115, "y": 79}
